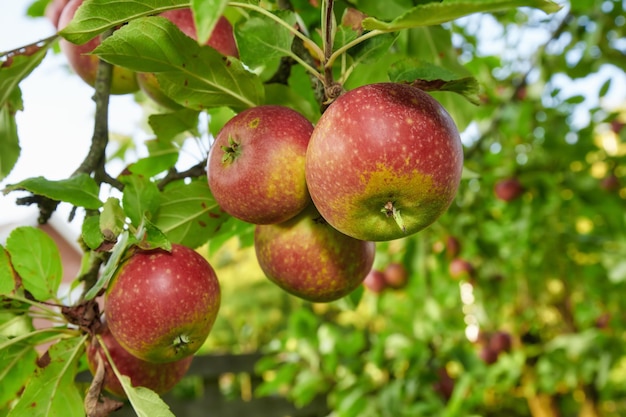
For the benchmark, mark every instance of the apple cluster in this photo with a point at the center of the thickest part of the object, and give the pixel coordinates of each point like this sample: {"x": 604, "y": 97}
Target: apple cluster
{"x": 393, "y": 276}
{"x": 159, "y": 309}
{"x": 383, "y": 162}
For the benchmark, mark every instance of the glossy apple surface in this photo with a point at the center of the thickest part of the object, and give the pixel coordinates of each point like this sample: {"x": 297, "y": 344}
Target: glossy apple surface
{"x": 255, "y": 168}
{"x": 308, "y": 258}
{"x": 384, "y": 162}
{"x": 161, "y": 306}
{"x": 159, "y": 377}
{"x": 123, "y": 80}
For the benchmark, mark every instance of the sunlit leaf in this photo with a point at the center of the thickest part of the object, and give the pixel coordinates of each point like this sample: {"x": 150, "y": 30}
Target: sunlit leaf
{"x": 52, "y": 391}
{"x": 95, "y": 16}
{"x": 196, "y": 77}
{"x": 141, "y": 198}
{"x": 205, "y": 16}
{"x": 437, "y": 13}
{"x": 123, "y": 243}
{"x": 80, "y": 190}
{"x": 145, "y": 402}
{"x": 189, "y": 214}
{"x": 37, "y": 260}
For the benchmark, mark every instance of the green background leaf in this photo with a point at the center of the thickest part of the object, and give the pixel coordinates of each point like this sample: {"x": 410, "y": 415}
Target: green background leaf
{"x": 80, "y": 190}
{"x": 37, "y": 260}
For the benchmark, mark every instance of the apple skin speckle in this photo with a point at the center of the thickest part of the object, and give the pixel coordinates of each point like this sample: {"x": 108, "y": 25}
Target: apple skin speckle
{"x": 158, "y": 298}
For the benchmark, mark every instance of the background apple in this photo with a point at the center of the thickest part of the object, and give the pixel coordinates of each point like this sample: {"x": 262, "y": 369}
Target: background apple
{"x": 161, "y": 306}
{"x": 255, "y": 168}
{"x": 53, "y": 11}
{"x": 159, "y": 377}
{"x": 308, "y": 258}
{"x": 396, "y": 275}
{"x": 222, "y": 40}
{"x": 384, "y": 161}
{"x": 508, "y": 189}
{"x": 375, "y": 281}
{"x": 461, "y": 269}
{"x": 123, "y": 81}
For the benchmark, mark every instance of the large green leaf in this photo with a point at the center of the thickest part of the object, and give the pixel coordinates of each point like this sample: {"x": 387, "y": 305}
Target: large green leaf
{"x": 17, "y": 364}
{"x": 189, "y": 214}
{"x": 205, "y": 16}
{"x": 145, "y": 402}
{"x": 51, "y": 391}
{"x": 80, "y": 190}
{"x": 95, "y": 16}
{"x": 37, "y": 260}
{"x": 435, "y": 13}
{"x": 7, "y": 276}
{"x": 9, "y": 140}
{"x": 197, "y": 77}
{"x": 141, "y": 198}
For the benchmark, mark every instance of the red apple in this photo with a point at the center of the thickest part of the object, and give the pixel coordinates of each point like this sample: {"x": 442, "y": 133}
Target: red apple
{"x": 384, "y": 162}
{"x": 610, "y": 183}
{"x": 123, "y": 80}
{"x": 396, "y": 275}
{"x": 308, "y": 258}
{"x": 160, "y": 305}
{"x": 255, "y": 167}
{"x": 460, "y": 269}
{"x": 500, "y": 341}
{"x": 508, "y": 189}
{"x": 222, "y": 40}
{"x": 453, "y": 247}
{"x": 159, "y": 377}
{"x": 488, "y": 355}
{"x": 375, "y": 281}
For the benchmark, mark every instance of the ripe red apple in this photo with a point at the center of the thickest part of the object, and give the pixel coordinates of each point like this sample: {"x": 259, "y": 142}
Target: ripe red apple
{"x": 508, "y": 189}
{"x": 460, "y": 269}
{"x": 255, "y": 168}
{"x": 396, "y": 275}
{"x": 500, "y": 341}
{"x": 123, "y": 80}
{"x": 375, "y": 281}
{"x": 453, "y": 247}
{"x": 159, "y": 377}
{"x": 308, "y": 258}
{"x": 222, "y": 40}
{"x": 488, "y": 355}
{"x": 160, "y": 305}
{"x": 384, "y": 162}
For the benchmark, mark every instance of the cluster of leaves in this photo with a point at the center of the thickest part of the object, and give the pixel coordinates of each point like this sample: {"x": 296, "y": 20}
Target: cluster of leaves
{"x": 549, "y": 264}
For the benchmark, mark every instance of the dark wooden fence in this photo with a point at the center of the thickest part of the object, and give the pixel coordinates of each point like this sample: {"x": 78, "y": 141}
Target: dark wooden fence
{"x": 213, "y": 403}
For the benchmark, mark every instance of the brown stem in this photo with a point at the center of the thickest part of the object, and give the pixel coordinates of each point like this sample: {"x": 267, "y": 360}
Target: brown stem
{"x": 195, "y": 171}
{"x": 332, "y": 89}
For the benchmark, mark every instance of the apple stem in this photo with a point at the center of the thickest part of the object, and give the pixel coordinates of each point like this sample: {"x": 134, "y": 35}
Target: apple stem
{"x": 231, "y": 152}
{"x": 391, "y": 211}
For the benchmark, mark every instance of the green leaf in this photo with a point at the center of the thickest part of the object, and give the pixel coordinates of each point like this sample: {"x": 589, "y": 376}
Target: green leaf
{"x": 123, "y": 243}
{"x": 431, "y": 77}
{"x": 112, "y": 218}
{"x": 189, "y": 214}
{"x": 7, "y": 276}
{"x": 262, "y": 41}
{"x": 91, "y": 233}
{"x": 37, "y": 260}
{"x": 605, "y": 88}
{"x": 167, "y": 126}
{"x": 437, "y": 13}
{"x": 205, "y": 15}
{"x": 95, "y": 16}
{"x": 17, "y": 67}
{"x": 17, "y": 364}
{"x": 163, "y": 155}
{"x": 218, "y": 118}
{"x": 140, "y": 199}
{"x": 372, "y": 49}
{"x": 196, "y": 77}
{"x": 153, "y": 237}
{"x": 80, "y": 190}
{"x": 145, "y": 402}
{"x": 52, "y": 391}
{"x": 9, "y": 140}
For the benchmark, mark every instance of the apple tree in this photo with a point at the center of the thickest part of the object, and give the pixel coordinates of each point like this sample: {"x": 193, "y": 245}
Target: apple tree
{"x": 457, "y": 243}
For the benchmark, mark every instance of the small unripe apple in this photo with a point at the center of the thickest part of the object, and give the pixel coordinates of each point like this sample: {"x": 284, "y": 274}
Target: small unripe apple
{"x": 396, "y": 275}
{"x": 384, "y": 162}
{"x": 308, "y": 258}
{"x": 159, "y": 377}
{"x": 508, "y": 189}
{"x": 255, "y": 168}
{"x": 123, "y": 80}
{"x": 160, "y": 305}
{"x": 375, "y": 281}
{"x": 222, "y": 39}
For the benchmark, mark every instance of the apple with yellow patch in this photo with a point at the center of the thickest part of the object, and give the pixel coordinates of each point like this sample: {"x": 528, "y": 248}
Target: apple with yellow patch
{"x": 384, "y": 162}
{"x": 255, "y": 168}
